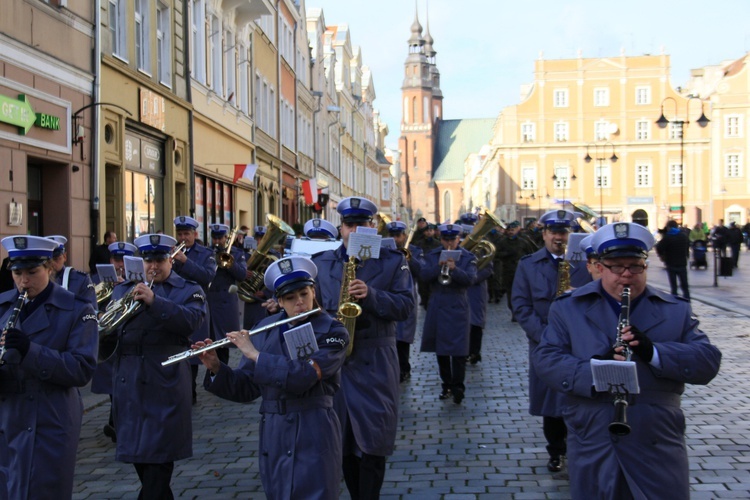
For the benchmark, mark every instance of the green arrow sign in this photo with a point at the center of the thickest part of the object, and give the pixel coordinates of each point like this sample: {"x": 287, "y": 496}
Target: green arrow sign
{"x": 17, "y": 112}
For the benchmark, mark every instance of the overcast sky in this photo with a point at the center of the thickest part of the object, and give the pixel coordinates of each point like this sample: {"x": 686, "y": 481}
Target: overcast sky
{"x": 486, "y": 48}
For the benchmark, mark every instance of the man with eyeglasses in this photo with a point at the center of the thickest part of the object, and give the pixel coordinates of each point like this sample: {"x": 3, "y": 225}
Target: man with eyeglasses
{"x": 668, "y": 349}
{"x": 534, "y": 288}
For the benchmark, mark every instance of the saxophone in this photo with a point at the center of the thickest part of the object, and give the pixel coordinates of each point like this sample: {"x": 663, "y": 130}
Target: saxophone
{"x": 348, "y": 309}
{"x": 563, "y": 274}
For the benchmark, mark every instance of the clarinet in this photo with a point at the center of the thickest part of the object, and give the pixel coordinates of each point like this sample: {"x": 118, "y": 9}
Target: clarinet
{"x": 12, "y": 320}
{"x": 619, "y": 426}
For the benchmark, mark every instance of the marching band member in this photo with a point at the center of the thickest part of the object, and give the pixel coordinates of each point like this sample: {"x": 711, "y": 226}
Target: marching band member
{"x": 446, "y": 326}
{"x": 69, "y": 278}
{"x": 534, "y": 288}
{"x": 669, "y": 350}
{"x": 320, "y": 229}
{"x": 152, "y": 403}
{"x": 405, "y": 330}
{"x": 196, "y": 263}
{"x": 50, "y": 351}
{"x": 367, "y": 404}
{"x": 224, "y": 306}
{"x": 300, "y": 440}
{"x": 264, "y": 304}
{"x": 101, "y": 383}
{"x": 591, "y": 257}
{"x": 478, "y": 296}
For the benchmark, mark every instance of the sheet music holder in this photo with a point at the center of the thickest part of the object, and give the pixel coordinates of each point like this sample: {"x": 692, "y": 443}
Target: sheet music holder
{"x": 107, "y": 273}
{"x": 363, "y": 245}
{"x": 300, "y": 341}
{"x": 135, "y": 270}
{"x": 615, "y": 376}
{"x": 573, "y": 252}
{"x": 388, "y": 243}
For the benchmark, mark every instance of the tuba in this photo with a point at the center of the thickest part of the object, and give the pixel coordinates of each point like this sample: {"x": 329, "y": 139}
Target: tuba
{"x": 261, "y": 258}
{"x": 582, "y": 221}
{"x": 225, "y": 259}
{"x": 383, "y": 221}
{"x": 484, "y": 250}
{"x": 348, "y": 309}
{"x": 563, "y": 274}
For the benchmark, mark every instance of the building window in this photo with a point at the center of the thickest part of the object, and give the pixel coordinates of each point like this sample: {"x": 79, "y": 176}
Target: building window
{"x": 732, "y": 162}
{"x": 163, "y": 44}
{"x": 271, "y": 110}
{"x": 528, "y": 177}
{"x": 643, "y": 95}
{"x": 386, "y": 189}
{"x": 447, "y": 206}
{"x": 562, "y": 177}
{"x": 561, "y": 132}
{"x": 266, "y": 23}
{"x": 642, "y": 130}
{"x": 198, "y": 42}
{"x": 602, "y": 176}
{"x": 244, "y": 69}
{"x": 528, "y": 132}
{"x": 414, "y": 109}
{"x": 561, "y": 98}
{"x": 675, "y": 130}
{"x": 601, "y": 96}
{"x": 118, "y": 29}
{"x": 642, "y": 175}
{"x": 426, "y": 110}
{"x": 733, "y": 127}
{"x": 601, "y": 131}
{"x": 142, "y": 36}
{"x": 675, "y": 175}
{"x": 230, "y": 63}
{"x": 406, "y": 110}
{"x": 216, "y": 60}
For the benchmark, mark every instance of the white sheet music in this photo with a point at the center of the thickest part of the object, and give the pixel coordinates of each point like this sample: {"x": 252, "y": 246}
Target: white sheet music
{"x": 388, "y": 243}
{"x": 610, "y": 374}
{"x": 107, "y": 273}
{"x": 300, "y": 341}
{"x": 450, "y": 254}
{"x": 135, "y": 271}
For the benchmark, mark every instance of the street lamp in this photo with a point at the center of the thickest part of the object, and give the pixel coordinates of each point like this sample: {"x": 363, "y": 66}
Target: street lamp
{"x": 663, "y": 121}
{"x": 564, "y": 182}
{"x": 600, "y": 157}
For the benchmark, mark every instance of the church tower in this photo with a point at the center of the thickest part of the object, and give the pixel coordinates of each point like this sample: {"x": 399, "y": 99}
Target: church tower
{"x": 421, "y": 110}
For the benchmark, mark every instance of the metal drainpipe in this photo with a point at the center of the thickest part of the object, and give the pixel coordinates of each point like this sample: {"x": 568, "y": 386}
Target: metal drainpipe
{"x": 186, "y": 22}
{"x": 95, "y": 192}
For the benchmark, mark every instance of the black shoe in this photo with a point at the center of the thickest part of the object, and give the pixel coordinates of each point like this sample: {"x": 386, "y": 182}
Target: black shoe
{"x": 195, "y": 399}
{"x": 554, "y": 464}
{"x": 475, "y": 358}
{"x": 109, "y": 431}
{"x": 458, "y": 397}
{"x": 446, "y": 394}
{"x": 405, "y": 376}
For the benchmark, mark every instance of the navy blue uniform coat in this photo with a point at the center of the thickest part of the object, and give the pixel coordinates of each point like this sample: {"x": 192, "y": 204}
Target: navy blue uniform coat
{"x": 224, "y": 307}
{"x": 650, "y": 462}
{"x": 42, "y": 409}
{"x": 479, "y": 295}
{"x": 447, "y": 324}
{"x": 300, "y": 434}
{"x": 152, "y": 404}
{"x": 370, "y": 377}
{"x": 407, "y": 329}
{"x": 534, "y": 289}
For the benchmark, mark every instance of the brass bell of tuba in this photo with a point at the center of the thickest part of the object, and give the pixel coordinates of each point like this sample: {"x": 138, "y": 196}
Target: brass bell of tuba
{"x": 383, "y": 221}
{"x": 261, "y": 258}
{"x": 474, "y": 243}
{"x": 103, "y": 291}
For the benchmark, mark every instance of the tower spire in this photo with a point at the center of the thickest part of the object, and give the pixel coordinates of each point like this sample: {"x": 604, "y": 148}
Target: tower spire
{"x": 416, "y": 30}
{"x": 428, "y": 40}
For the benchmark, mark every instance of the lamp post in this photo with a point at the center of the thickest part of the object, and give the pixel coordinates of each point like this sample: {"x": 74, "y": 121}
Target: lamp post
{"x": 663, "y": 121}
{"x": 600, "y": 157}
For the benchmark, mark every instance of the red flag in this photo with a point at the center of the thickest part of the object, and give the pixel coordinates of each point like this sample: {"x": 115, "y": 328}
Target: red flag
{"x": 310, "y": 189}
{"x": 245, "y": 172}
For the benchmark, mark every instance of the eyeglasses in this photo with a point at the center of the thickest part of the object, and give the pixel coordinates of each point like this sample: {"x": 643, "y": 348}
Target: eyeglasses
{"x": 617, "y": 269}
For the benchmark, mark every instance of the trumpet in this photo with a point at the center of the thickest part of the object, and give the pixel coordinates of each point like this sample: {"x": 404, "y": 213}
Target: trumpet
{"x": 179, "y": 248}
{"x": 221, "y": 343}
{"x": 445, "y": 275}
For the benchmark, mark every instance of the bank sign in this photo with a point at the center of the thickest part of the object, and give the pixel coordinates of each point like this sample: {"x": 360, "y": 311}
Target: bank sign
{"x": 19, "y": 112}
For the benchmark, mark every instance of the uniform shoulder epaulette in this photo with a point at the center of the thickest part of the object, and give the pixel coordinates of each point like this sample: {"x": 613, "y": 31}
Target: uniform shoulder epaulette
{"x": 680, "y": 297}
{"x": 82, "y": 272}
{"x": 527, "y": 256}
{"x": 563, "y": 295}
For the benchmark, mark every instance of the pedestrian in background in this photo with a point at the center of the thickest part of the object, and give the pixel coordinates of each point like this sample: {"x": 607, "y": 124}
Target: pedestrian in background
{"x": 673, "y": 250}
{"x": 735, "y": 238}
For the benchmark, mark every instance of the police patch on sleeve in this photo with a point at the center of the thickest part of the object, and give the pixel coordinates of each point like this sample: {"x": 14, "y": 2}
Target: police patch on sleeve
{"x": 88, "y": 317}
{"x": 197, "y": 297}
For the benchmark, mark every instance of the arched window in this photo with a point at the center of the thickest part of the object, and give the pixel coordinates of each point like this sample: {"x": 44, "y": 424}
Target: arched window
{"x": 447, "y": 206}
{"x": 406, "y": 110}
{"x": 414, "y": 110}
{"x": 261, "y": 210}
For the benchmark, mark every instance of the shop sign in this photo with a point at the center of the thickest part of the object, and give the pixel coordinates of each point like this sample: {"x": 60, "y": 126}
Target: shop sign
{"x": 17, "y": 112}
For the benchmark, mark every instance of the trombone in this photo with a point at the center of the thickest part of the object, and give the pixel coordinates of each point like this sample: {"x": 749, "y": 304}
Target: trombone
{"x": 225, "y": 259}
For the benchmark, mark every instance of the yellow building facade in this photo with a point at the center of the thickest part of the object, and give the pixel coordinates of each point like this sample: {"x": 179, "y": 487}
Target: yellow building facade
{"x": 597, "y": 109}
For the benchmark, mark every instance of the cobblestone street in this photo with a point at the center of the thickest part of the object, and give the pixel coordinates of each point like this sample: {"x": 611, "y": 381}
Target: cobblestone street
{"x": 489, "y": 447}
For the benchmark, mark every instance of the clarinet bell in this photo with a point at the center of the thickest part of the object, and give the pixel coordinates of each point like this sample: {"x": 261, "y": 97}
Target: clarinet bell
{"x": 619, "y": 426}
